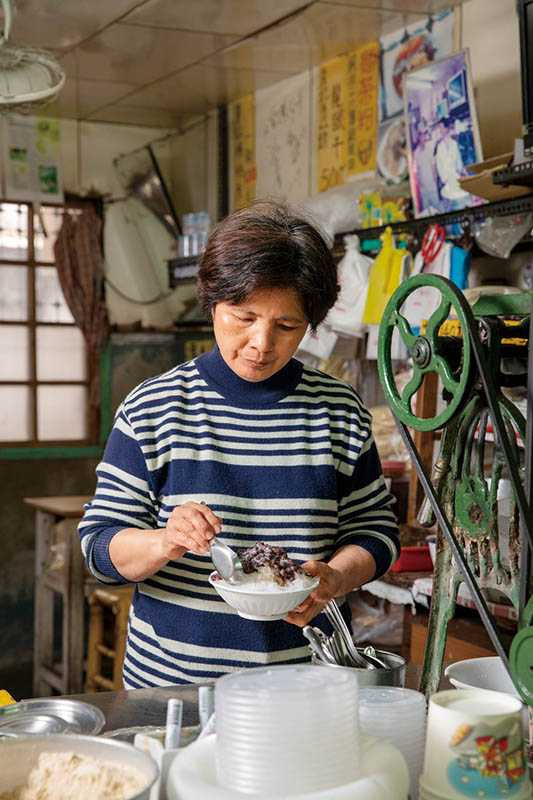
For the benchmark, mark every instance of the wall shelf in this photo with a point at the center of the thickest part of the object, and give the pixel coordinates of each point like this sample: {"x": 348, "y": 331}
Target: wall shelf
{"x": 517, "y": 174}
{"x": 416, "y": 227}
{"x": 182, "y": 270}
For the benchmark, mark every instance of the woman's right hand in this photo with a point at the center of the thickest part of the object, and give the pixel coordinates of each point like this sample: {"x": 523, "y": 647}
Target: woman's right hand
{"x": 190, "y": 527}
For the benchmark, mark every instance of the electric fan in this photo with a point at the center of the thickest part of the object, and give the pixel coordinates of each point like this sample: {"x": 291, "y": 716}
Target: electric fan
{"x": 29, "y": 78}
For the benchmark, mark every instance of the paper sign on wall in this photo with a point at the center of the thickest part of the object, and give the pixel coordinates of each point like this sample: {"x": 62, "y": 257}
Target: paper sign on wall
{"x": 243, "y": 151}
{"x": 32, "y": 159}
{"x": 332, "y": 123}
{"x": 282, "y": 139}
{"x": 363, "y": 98}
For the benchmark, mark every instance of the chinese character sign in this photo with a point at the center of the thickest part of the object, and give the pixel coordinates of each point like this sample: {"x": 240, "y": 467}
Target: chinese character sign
{"x": 363, "y": 98}
{"x": 282, "y": 139}
{"x": 243, "y": 151}
{"x": 332, "y": 123}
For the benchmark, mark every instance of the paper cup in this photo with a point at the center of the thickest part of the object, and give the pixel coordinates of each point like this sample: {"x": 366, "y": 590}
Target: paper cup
{"x": 474, "y": 747}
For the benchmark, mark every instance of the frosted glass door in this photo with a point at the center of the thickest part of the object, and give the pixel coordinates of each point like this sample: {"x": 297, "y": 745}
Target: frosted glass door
{"x": 14, "y": 347}
{"x": 15, "y": 413}
{"x": 61, "y": 354}
{"x": 13, "y": 293}
{"x": 50, "y": 303}
{"x": 61, "y": 413}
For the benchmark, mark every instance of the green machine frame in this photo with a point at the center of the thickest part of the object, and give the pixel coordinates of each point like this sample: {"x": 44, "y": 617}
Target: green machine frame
{"x": 462, "y": 492}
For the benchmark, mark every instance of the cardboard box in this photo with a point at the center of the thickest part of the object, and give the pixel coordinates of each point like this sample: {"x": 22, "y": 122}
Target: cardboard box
{"x": 480, "y": 183}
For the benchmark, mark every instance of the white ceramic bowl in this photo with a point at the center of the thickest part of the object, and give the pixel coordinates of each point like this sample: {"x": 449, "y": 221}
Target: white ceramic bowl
{"x": 262, "y": 606}
{"x": 484, "y": 673}
{"x": 481, "y": 673}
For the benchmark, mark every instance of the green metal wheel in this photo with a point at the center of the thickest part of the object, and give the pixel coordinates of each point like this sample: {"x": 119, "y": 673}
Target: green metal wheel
{"x": 424, "y": 351}
{"x": 521, "y": 656}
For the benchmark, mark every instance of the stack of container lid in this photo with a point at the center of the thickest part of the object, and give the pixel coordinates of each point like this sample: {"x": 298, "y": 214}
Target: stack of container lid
{"x": 398, "y": 716}
{"x": 286, "y": 730}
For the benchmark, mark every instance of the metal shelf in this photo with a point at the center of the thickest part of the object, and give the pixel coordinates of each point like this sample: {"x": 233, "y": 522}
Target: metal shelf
{"x": 517, "y": 174}
{"x": 182, "y": 270}
{"x": 416, "y": 227}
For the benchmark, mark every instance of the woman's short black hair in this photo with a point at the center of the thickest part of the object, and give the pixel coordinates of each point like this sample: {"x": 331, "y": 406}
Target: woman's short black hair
{"x": 267, "y": 246}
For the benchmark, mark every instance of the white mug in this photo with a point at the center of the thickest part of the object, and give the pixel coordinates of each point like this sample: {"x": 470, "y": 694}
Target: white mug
{"x": 474, "y": 747}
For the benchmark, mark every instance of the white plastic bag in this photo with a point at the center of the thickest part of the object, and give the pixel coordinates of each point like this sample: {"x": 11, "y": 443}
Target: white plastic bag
{"x": 498, "y": 235}
{"x": 421, "y": 303}
{"x": 346, "y": 316}
{"x": 319, "y": 343}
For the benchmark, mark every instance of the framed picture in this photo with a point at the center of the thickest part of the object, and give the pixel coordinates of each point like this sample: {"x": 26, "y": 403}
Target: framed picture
{"x": 425, "y": 41}
{"x": 442, "y": 134}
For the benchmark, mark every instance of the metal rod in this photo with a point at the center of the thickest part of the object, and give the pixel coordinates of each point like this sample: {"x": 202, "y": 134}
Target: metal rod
{"x": 526, "y": 554}
{"x": 457, "y": 553}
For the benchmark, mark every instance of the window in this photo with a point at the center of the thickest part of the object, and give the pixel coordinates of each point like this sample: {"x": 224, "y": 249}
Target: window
{"x": 44, "y": 387}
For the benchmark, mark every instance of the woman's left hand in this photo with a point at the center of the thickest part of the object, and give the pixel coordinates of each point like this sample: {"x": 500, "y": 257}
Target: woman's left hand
{"x": 330, "y": 586}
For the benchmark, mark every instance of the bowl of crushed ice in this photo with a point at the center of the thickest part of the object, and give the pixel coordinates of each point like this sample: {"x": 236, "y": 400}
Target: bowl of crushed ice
{"x": 270, "y": 585}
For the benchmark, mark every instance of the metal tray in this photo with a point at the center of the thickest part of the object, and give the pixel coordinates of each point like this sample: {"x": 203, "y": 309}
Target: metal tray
{"x": 50, "y": 715}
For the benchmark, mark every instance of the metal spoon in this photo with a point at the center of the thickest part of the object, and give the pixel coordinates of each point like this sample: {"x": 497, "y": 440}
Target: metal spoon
{"x": 316, "y": 645}
{"x": 370, "y": 653}
{"x": 334, "y": 615}
{"x": 324, "y": 640}
{"x": 341, "y": 654}
{"x": 227, "y": 562}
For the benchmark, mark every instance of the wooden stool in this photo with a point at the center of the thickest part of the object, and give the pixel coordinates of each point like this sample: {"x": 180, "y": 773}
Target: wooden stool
{"x": 107, "y": 637}
{"x": 62, "y": 584}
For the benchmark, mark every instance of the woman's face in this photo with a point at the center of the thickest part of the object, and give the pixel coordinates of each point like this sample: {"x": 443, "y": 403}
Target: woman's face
{"x": 257, "y": 337}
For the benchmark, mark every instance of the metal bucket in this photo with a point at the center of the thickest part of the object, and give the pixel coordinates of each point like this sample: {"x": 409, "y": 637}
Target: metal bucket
{"x": 18, "y": 756}
{"x": 393, "y": 676}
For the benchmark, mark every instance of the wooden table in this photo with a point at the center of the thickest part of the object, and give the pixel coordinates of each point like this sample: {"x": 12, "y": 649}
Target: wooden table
{"x": 59, "y": 573}
{"x": 131, "y": 707}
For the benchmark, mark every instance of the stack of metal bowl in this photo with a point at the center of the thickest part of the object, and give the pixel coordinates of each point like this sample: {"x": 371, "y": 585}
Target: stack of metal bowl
{"x": 59, "y": 725}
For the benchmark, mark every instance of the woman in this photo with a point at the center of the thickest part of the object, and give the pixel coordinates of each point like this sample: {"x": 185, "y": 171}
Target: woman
{"x": 247, "y": 444}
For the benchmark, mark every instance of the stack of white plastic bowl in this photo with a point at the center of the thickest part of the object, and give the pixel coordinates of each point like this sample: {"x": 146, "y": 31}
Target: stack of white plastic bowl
{"x": 398, "y": 716}
{"x": 286, "y": 730}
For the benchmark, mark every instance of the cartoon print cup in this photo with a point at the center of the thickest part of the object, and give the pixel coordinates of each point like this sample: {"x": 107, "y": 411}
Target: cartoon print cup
{"x": 474, "y": 747}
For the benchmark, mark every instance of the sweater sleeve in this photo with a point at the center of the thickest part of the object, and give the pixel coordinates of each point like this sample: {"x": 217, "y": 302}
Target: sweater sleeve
{"x": 365, "y": 514}
{"x": 123, "y": 499}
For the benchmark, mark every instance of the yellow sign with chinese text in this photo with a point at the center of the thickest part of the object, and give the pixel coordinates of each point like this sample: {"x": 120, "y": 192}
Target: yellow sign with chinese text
{"x": 243, "y": 151}
{"x": 362, "y": 108}
{"x": 332, "y": 123}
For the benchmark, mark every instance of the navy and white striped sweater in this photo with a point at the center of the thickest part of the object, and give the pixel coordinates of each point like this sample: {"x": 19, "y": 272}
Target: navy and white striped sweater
{"x": 289, "y": 460}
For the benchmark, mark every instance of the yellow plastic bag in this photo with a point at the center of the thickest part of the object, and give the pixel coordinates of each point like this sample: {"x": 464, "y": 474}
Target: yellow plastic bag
{"x": 5, "y": 698}
{"x": 385, "y": 275}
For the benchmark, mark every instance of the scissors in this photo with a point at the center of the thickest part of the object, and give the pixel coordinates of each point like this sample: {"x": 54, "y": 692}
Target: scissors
{"x": 432, "y": 243}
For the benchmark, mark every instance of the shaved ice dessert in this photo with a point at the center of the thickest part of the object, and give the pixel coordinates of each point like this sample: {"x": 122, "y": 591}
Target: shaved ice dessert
{"x": 269, "y": 569}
